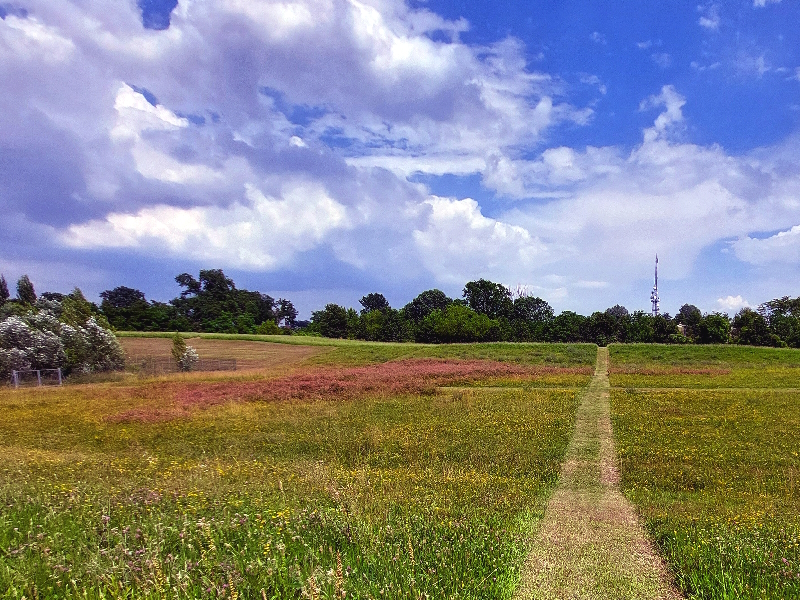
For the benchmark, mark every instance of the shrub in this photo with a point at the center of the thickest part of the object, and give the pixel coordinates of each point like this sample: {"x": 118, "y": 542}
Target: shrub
{"x": 268, "y": 327}
{"x": 188, "y": 359}
{"x": 39, "y": 340}
{"x": 457, "y": 323}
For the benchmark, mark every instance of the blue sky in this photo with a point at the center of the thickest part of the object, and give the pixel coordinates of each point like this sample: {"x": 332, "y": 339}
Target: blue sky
{"x": 324, "y": 149}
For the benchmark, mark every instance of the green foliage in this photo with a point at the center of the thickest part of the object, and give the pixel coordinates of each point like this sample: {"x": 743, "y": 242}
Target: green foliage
{"x": 25, "y": 291}
{"x": 333, "y": 321}
{"x": 531, "y": 308}
{"x": 601, "y": 328}
{"x": 713, "y": 329}
{"x": 373, "y": 302}
{"x": 387, "y": 325}
{"x": 457, "y": 323}
{"x": 285, "y": 312}
{"x": 268, "y": 328}
{"x": 489, "y": 298}
{"x": 689, "y": 315}
{"x": 783, "y": 317}
{"x": 76, "y": 309}
{"x": 127, "y": 309}
{"x": 178, "y": 347}
{"x": 617, "y": 311}
{"x": 566, "y": 327}
{"x": 4, "y": 294}
{"x": 751, "y": 328}
{"x": 424, "y": 304}
{"x": 213, "y": 304}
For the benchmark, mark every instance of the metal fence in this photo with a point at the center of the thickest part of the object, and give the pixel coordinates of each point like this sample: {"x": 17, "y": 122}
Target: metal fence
{"x": 36, "y": 377}
{"x": 156, "y": 365}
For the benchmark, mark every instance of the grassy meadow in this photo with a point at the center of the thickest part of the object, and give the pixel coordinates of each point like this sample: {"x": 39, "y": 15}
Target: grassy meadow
{"x": 347, "y": 470}
{"x": 709, "y": 446}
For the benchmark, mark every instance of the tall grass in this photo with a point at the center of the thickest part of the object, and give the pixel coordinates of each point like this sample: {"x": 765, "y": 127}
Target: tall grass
{"x": 716, "y": 473}
{"x": 384, "y": 495}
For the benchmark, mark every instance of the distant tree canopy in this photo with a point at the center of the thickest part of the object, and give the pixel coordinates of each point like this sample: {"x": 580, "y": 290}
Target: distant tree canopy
{"x": 424, "y": 304}
{"x": 372, "y": 302}
{"x": 489, "y": 298}
{"x": 210, "y": 303}
{"x": 489, "y": 311}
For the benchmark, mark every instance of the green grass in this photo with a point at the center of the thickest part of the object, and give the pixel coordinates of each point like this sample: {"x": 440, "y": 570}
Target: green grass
{"x": 716, "y": 473}
{"x": 357, "y": 352}
{"x": 714, "y": 366}
{"x": 415, "y": 495}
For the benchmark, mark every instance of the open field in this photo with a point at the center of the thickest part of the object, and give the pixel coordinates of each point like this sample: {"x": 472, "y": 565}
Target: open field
{"x": 248, "y": 354}
{"x": 354, "y": 352}
{"x": 715, "y": 472}
{"x": 310, "y": 481}
{"x": 714, "y": 366}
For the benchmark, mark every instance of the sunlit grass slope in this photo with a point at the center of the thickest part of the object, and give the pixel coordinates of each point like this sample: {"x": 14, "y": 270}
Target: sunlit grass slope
{"x": 715, "y": 472}
{"x": 713, "y": 366}
{"x": 378, "y": 495}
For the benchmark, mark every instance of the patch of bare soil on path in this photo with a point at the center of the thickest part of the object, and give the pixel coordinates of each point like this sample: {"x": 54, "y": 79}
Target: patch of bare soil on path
{"x": 590, "y": 544}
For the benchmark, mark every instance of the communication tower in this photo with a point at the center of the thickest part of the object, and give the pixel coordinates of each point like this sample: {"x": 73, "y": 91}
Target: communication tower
{"x": 654, "y": 299}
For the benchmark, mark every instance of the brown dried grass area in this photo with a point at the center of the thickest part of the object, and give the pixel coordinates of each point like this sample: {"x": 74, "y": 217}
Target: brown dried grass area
{"x": 411, "y": 376}
{"x": 248, "y": 355}
{"x": 636, "y": 370}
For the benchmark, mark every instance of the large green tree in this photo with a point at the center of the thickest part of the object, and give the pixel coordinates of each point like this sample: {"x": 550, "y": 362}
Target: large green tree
{"x": 372, "y": 302}
{"x": 714, "y": 328}
{"x": 751, "y": 328}
{"x": 457, "y": 323}
{"x": 488, "y": 298}
{"x": 334, "y": 321}
{"x": 212, "y": 303}
{"x": 424, "y": 304}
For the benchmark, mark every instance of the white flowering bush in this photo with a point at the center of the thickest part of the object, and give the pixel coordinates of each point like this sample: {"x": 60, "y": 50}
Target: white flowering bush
{"x": 23, "y": 346}
{"x": 39, "y": 340}
{"x": 188, "y": 359}
{"x": 104, "y": 352}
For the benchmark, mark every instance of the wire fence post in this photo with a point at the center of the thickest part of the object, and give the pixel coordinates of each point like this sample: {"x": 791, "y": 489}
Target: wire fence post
{"x": 15, "y": 377}
{"x": 59, "y": 375}
{"x": 39, "y": 377}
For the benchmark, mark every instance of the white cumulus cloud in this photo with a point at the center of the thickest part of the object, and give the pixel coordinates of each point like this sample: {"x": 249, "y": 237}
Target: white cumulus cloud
{"x": 262, "y": 233}
{"x": 783, "y": 247}
{"x": 460, "y": 243}
{"x": 732, "y": 304}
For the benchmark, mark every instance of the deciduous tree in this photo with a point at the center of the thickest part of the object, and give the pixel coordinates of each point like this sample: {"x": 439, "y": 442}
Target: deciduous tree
{"x": 25, "y": 291}
{"x": 489, "y": 298}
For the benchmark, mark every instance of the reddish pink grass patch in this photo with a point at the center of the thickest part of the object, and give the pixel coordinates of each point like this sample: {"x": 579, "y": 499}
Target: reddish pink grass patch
{"x": 414, "y": 376}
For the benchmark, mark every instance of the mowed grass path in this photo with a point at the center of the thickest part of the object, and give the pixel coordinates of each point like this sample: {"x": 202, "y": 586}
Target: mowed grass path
{"x": 372, "y": 495}
{"x": 709, "y": 445}
{"x": 590, "y": 544}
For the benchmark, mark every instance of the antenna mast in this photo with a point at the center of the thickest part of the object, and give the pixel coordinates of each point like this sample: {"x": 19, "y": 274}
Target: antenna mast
{"x": 654, "y": 299}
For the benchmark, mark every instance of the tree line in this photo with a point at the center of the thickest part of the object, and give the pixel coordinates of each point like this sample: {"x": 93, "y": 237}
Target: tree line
{"x": 486, "y": 311}
{"x": 489, "y": 312}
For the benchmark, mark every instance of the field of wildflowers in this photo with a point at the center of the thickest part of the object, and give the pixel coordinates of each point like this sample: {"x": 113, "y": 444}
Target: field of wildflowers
{"x": 363, "y": 487}
{"x": 714, "y": 468}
